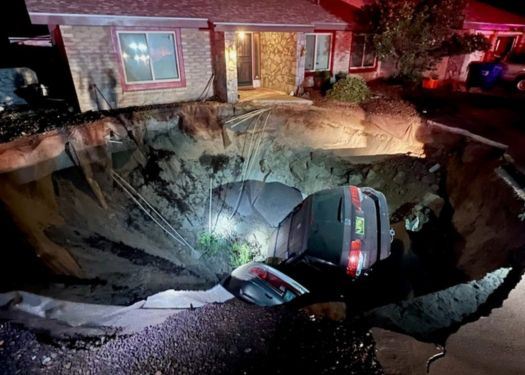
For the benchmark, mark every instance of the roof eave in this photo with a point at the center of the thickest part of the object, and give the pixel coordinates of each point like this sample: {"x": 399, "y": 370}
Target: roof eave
{"x": 279, "y": 27}
{"x": 275, "y": 27}
{"x": 476, "y": 25}
{"x": 114, "y": 20}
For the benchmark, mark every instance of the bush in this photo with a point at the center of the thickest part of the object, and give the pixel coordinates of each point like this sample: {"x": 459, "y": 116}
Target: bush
{"x": 351, "y": 89}
{"x": 241, "y": 253}
{"x": 211, "y": 244}
{"x": 238, "y": 252}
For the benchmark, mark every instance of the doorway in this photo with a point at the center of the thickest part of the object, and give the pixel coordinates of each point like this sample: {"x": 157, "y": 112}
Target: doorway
{"x": 244, "y": 59}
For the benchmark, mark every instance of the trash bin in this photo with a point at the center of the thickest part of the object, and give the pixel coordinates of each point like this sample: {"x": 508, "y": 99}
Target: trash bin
{"x": 484, "y": 75}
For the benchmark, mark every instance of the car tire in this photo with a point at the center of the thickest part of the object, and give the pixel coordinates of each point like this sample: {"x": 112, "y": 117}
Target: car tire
{"x": 519, "y": 84}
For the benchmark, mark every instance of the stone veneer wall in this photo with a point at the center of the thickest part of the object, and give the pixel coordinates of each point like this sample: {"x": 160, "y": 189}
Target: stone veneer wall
{"x": 279, "y": 68}
{"x": 93, "y": 60}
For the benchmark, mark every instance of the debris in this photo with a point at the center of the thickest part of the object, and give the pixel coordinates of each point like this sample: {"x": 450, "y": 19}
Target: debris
{"x": 46, "y": 361}
{"x": 434, "y": 168}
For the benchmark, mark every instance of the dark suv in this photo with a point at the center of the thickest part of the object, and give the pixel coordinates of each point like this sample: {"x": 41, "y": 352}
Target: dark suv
{"x": 346, "y": 227}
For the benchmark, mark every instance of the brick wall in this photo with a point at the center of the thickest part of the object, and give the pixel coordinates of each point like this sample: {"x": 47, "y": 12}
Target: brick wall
{"x": 93, "y": 60}
{"x": 342, "y": 46}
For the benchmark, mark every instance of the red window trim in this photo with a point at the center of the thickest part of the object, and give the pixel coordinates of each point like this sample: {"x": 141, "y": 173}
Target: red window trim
{"x": 157, "y": 85}
{"x": 365, "y": 69}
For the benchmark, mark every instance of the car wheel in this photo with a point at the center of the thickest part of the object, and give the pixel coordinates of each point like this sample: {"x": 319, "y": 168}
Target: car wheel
{"x": 520, "y": 84}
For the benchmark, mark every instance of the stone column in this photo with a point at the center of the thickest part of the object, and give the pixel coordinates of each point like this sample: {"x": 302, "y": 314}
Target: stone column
{"x": 230, "y": 54}
{"x": 300, "y": 62}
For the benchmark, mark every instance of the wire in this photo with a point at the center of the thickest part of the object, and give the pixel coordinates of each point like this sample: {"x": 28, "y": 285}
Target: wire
{"x": 130, "y": 190}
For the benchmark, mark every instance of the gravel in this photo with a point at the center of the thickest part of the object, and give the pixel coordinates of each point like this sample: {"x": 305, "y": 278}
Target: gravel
{"x": 234, "y": 338}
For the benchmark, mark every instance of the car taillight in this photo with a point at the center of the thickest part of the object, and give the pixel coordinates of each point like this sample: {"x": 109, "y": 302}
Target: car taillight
{"x": 273, "y": 280}
{"x": 356, "y": 197}
{"x": 259, "y": 272}
{"x": 354, "y": 258}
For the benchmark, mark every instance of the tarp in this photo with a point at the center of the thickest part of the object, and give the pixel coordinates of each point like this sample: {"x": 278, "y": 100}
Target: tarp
{"x": 154, "y": 310}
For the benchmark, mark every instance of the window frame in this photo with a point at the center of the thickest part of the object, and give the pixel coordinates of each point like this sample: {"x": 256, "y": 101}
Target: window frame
{"x": 154, "y": 84}
{"x": 329, "y": 68}
{"x": 362, "y": 68}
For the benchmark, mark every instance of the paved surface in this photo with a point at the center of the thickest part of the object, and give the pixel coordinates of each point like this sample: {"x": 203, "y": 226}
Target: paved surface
{"x": 500, "y": 118}
{"x": 234, "y": 338}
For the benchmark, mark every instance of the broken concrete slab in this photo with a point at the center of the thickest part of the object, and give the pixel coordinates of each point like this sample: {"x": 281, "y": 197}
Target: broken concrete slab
{"x": 491, "y": 345}
{"x": 400, "y": 354}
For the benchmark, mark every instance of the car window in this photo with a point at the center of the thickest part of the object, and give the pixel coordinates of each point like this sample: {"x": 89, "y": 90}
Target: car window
{"x": 297, "y": 229}
{"x": 516, "y": 58}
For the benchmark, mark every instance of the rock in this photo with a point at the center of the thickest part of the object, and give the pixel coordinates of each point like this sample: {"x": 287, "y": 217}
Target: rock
{"x": 400, "y": 177}
{"x": 355, "y": 179}
{"x": 67, "y": 366}
{"x": 247, "y": 350}
{"x": 434, "y": 202}
{"x": 46, "y": 361}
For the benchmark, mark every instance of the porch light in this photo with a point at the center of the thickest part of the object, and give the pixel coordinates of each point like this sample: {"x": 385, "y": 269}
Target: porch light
{"x": 241, "y": 35}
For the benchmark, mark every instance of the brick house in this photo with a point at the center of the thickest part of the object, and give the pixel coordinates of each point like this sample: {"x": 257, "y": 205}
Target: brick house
{"x": 133, "y": 52}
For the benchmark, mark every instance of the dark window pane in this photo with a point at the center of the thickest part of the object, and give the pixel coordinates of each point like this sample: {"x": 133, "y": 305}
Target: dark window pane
{"x": 356, "y": 54}
{"x": 163, "y": 57}
{"x": 370, "y": 55}
{"x": 310, "y": 52}
{"x": 135, "y": 54}
{"x": 323, "y": 52}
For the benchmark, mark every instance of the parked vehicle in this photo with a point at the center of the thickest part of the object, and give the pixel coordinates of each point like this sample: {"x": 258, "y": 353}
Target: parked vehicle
{"x": 262, "y": 285}
{"x": 514, "y": 71}
{"x": 487, "y": 74}
{"x": 346, "y": 228}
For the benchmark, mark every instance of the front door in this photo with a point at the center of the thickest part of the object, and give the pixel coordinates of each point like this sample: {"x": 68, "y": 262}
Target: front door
{"x": 244, "y": 59}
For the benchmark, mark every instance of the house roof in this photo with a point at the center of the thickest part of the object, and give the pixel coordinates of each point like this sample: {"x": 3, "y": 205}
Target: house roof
{"x": 186, "y": 13}
{"x": 480, "y": 15}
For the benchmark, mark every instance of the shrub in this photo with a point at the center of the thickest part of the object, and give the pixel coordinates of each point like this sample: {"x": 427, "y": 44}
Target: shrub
{"x": 351, "y": 89}
{"x": 212, "y": 244}
{"x": 238, "y": 252}
{"x": 241, "y": 253}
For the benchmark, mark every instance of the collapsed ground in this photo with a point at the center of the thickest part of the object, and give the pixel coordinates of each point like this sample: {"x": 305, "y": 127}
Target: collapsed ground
{"x": 464, "y": 218}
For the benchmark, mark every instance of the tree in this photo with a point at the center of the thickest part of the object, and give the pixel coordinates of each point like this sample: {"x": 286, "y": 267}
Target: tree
{"x": 416, "y": 34}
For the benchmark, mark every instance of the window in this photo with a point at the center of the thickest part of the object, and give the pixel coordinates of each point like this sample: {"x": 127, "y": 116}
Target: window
{"x": 362, "y": 54}
{"x": 318, "y": 47}
{"x": 149, "y": 57}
